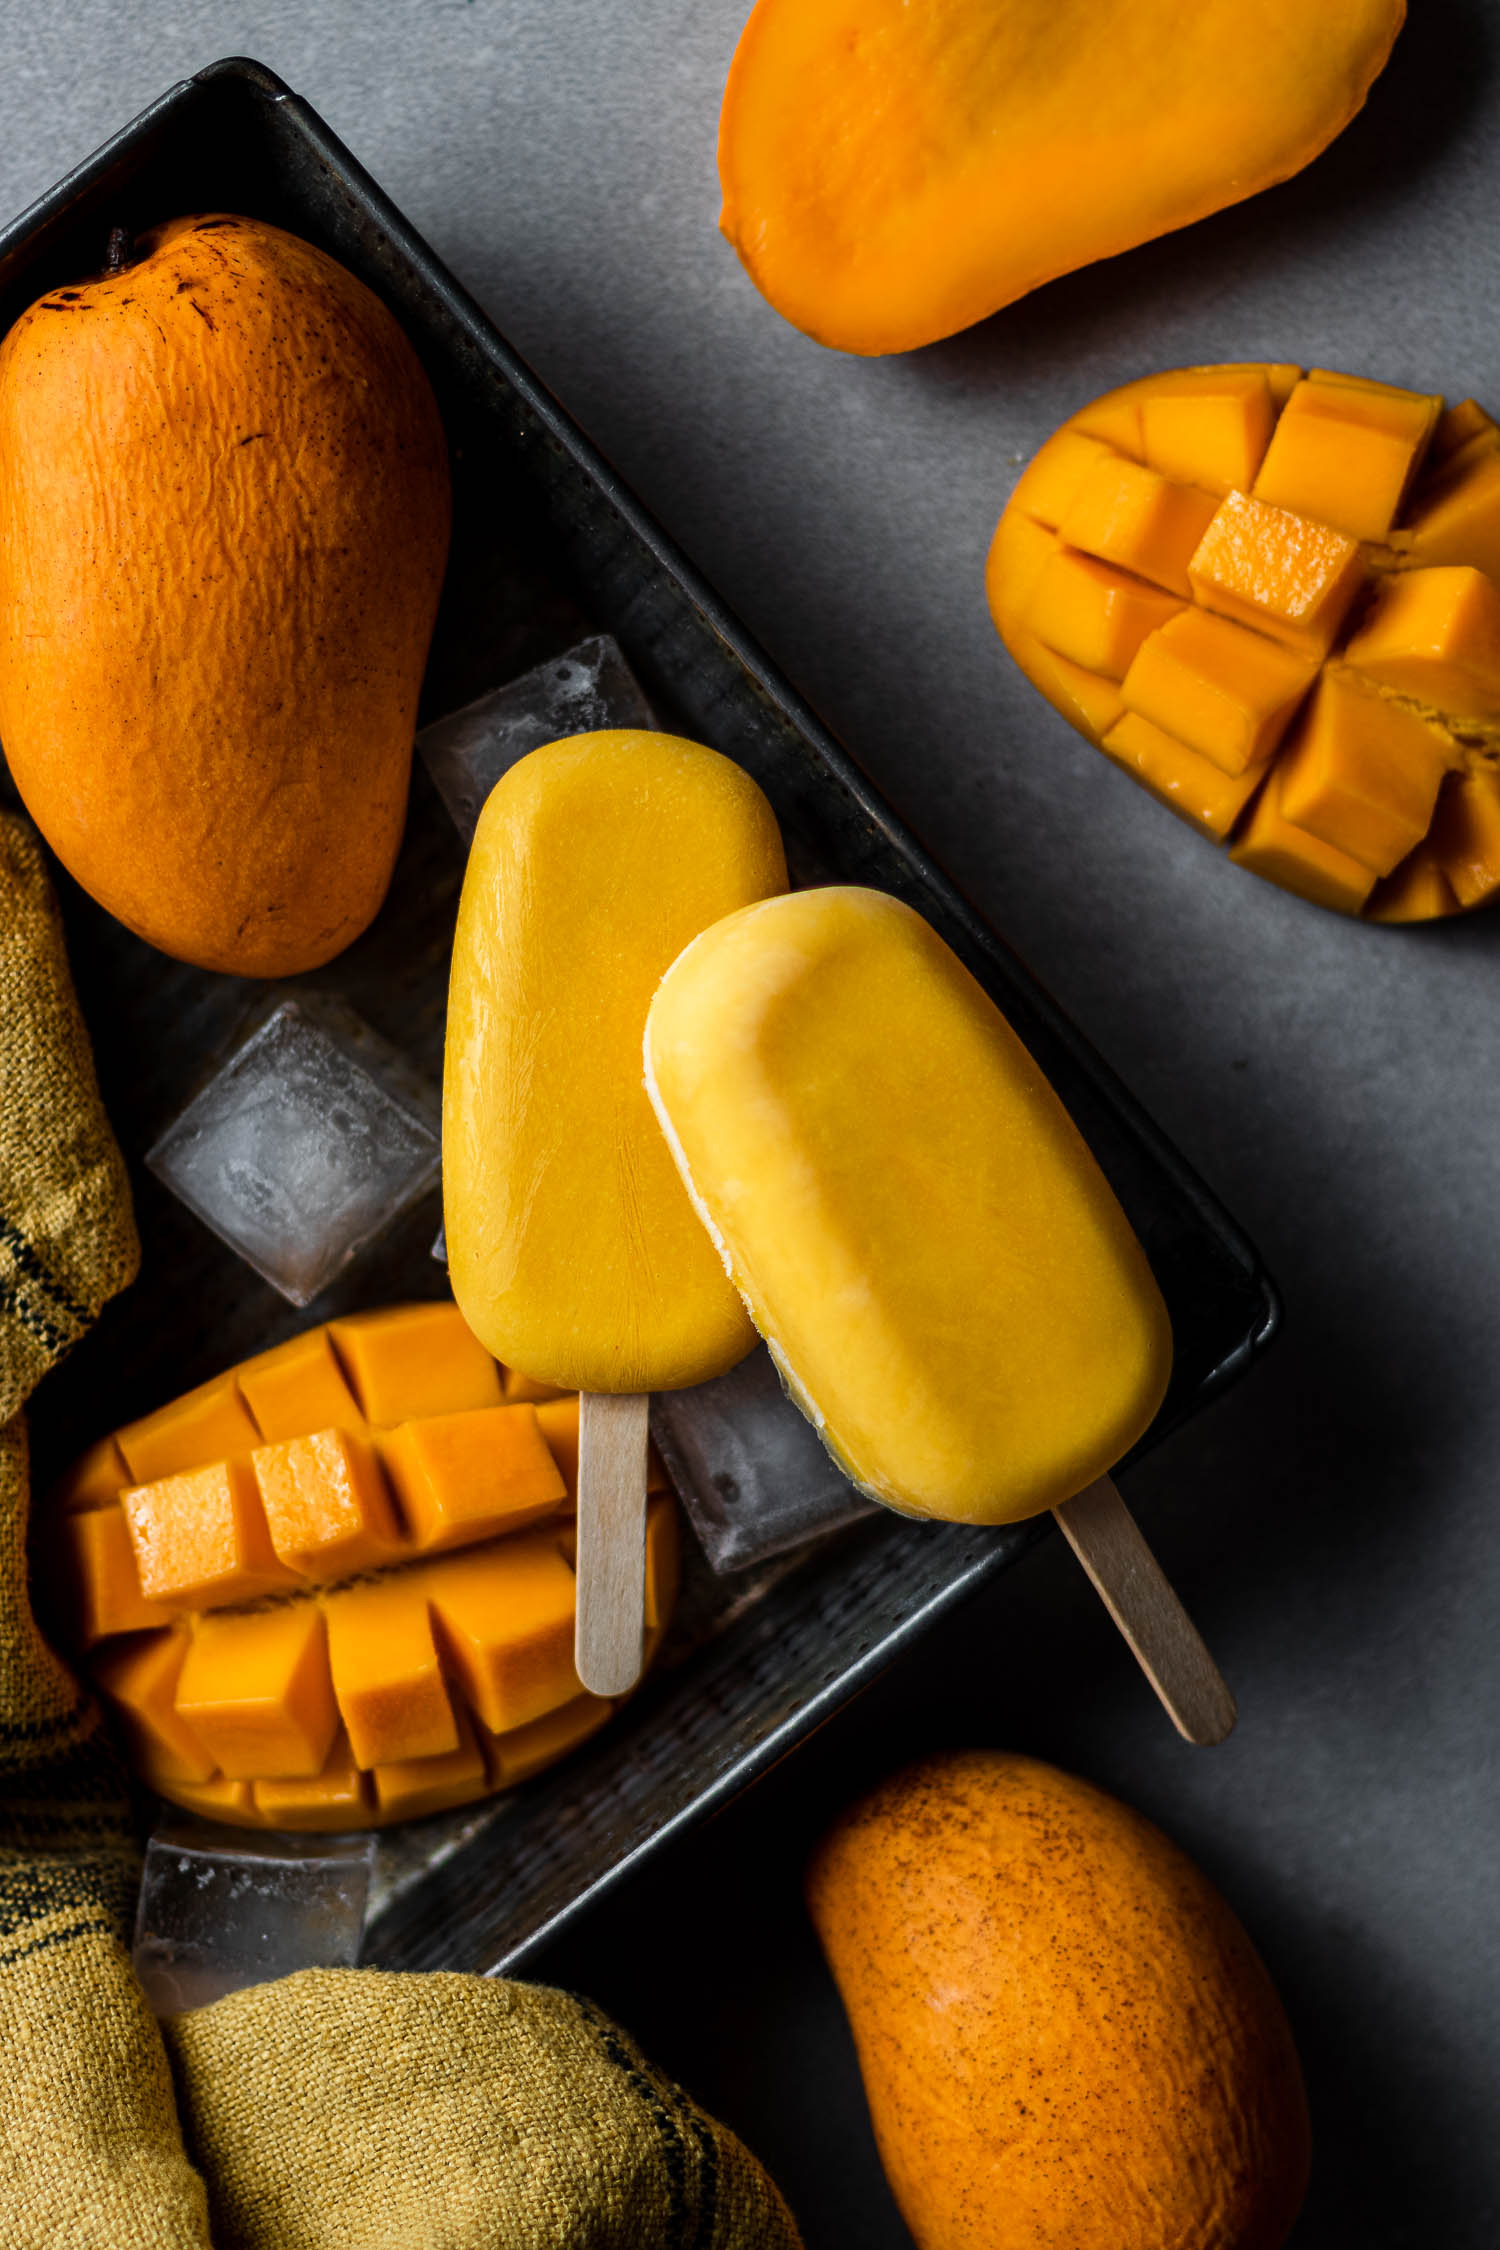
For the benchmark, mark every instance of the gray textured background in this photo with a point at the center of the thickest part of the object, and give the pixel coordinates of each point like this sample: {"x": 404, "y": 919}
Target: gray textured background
{"x": 1332, "y": 1522}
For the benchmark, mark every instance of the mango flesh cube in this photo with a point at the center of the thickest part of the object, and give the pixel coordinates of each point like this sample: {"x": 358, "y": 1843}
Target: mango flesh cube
{"x": 522, "y": 1751}
{"x": 386, "y": 1674}
{"x": 413, "y": 1787}
{"x": 140, "y": 1679}
{"x": 205, "y": 1425}
{"x": 1090, "y": 701}
{"x": 297, "y": 1388}
{"x": 255, "y": 1691}
{"x": 414, "y": 1360}
{"x": 1456, "y": 518}
{"x": 1187, "y": 783}
{"x": 1225, "y": 691}
{"x": 1435, "y": 635}
{"x": 1093, "y": 615}
{"x": 1049, "y": 481}
{"x": 943, "y": 1278}
{"x": 462, "y": 1477}
{"x": 1265, "y": 567}
{"x": 1465, "y": 838}
{"x": 96, "y": 1478}
{"x": 1345, "y": 453}
{"x": 522, "y": 1389}
{"x": 288, "y": 1600}
{"x": 1209, "y": 427}
{"x": 200, "y": 1538}
{"x": 662, "y": 1559}
{"x": 1273, "y": 846}
{"x": 219, "y": 1799}
{"x": 1416, "y": 891}
{"x": 1362, "y": 774}
{"x": 1328, "y": 702}
{"x": 102, "y": 1571}
{"x": 1125, "y": 514}
{"x": 557, "y": 1419}
{"x": 506, "y": 1617}
{"x": 325, "y": 1503}
{"x": 337, "y": 1796}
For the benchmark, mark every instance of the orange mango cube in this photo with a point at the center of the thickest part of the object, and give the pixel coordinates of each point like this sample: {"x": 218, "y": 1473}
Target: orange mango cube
{"x": 298, "y": 1387}
{"x": 1049, "y": 481}
{"x": 413, "y": 1361}
{"x": 1096, "y": 616}
{"x": 204, "y": 1425}
{"x": 255, "y": 1691}
{"x": 325, "y": 1502}
{"x": 506, "y": 1617}
{"x": 386, "y": 1674}
{"x": 96, "y": 1478}
{"x": 1280, "y": 572}
{"x": 102, "y": 1575}
{"x": 339, "y": 1795}
{"x": 1187, "y": 783}
{"x": 462, "y": 1477}
{"x": 522, "y": 1751}
{"x": 1224, "y": 691}
{"x": 1434, "y": 635}
{"x": 139, "y": 1676}
{"x": 1124, "y": 513}
{"x": 1209, "y": 426}
{"x": 1465, "y": 839}
{"x": 1273, "y": 846}
{"x": 410, "y": 1788}
{"x": 200, "y": 1537}
{"x": 1345, "y": 452}
{"x": 1362, "y": 774}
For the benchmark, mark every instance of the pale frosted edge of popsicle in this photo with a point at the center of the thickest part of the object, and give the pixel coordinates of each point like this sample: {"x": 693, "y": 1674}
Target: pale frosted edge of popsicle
{"x": 610, "y": 1610}
{"x": 1141, "y": 1599}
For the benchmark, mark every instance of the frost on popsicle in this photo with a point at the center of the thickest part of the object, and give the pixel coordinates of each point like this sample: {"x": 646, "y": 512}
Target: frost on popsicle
{"x": 310, "y": 1138}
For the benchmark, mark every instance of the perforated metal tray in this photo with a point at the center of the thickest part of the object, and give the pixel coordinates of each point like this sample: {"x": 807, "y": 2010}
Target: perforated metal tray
{"x": 549, "y": 546}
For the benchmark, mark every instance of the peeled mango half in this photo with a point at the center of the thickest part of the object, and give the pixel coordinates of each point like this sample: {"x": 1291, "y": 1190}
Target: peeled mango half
{"x": 894, "y": 172}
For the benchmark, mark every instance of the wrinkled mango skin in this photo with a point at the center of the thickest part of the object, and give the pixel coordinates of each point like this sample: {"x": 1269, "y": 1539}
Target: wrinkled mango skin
{"x": 224, "y": 516}
{"x": 894, "y": 172}
{"x": 1273, "y": 598}
{"x": 1067, "y": 2040}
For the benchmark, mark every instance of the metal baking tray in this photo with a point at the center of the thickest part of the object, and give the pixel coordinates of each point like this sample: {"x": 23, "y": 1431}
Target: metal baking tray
{"x": 549, "y": 546}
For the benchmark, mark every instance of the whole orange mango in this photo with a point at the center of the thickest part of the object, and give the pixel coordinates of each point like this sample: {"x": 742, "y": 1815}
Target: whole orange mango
{"x": 1067, "y": 2040}
{"x": 224, "y": 513}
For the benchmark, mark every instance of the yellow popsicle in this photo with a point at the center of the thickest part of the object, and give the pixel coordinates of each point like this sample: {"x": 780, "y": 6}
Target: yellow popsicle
{"x": 572, "y": 1248}
{"x": 942, "y": 1273}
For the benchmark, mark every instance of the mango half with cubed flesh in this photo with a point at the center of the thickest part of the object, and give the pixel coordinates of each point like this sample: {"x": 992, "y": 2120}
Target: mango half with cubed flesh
{"x": 334, "y": 1587}
{"x": 1273, "y": 599}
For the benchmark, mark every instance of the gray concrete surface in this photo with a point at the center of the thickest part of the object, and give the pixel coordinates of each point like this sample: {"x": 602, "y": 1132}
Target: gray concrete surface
{"x": 1333, "y": 1523}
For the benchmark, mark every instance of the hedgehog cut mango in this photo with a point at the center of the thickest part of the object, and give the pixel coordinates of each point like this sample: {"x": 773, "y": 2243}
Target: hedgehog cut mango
{"x": 334, "y": 1587}
{"x": 1273, "y": 598}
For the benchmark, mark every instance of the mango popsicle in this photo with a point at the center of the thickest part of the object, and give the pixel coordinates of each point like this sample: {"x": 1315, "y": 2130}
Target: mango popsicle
{"x": 573, "y": 1249}
{"x": 939, "y": 1268}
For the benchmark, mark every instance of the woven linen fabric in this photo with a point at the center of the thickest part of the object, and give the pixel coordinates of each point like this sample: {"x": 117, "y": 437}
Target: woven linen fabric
{"x": 334, "y": 2110}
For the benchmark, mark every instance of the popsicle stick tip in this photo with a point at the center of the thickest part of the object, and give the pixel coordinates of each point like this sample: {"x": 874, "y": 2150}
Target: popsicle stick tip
{"x": 1145, "y": 1606}
{"x": 609, "y": 1643}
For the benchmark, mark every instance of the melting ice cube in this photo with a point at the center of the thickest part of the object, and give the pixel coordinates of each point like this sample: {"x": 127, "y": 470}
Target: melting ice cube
{"x": 750, "y": 1468}
{"x": 590, "y": 687}
{"x": 308, "y": 1140}
{"x": 220, "y": 1909}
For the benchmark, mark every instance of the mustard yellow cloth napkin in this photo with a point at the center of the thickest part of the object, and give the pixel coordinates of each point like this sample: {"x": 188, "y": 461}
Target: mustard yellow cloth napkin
{"x": 335, "y": 2110}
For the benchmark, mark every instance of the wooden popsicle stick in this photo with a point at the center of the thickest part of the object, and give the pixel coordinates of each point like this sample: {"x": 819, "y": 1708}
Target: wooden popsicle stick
{"x": 1139, "y": 1596}
{"x": 611, "y": 1598}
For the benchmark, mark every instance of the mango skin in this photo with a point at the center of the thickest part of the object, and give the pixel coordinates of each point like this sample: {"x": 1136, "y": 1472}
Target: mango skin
{"x": 224, "y": 517}
{"x": 1067, "y": 2039}
{"x": 894, "y": 172}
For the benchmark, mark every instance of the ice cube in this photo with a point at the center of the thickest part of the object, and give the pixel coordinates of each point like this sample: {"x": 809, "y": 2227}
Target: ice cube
{"x": 308, "y": 1140}
{"x": 751, "y": 1470}
{"x": 221, "y": 1908}
{"x": 589, "y": 687}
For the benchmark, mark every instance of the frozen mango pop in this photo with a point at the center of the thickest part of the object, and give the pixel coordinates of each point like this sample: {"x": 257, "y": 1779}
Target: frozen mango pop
{"x": 940, "y": 1270}
{"x": 947, "y": 1283}
{"x": 573, "y": 1250}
